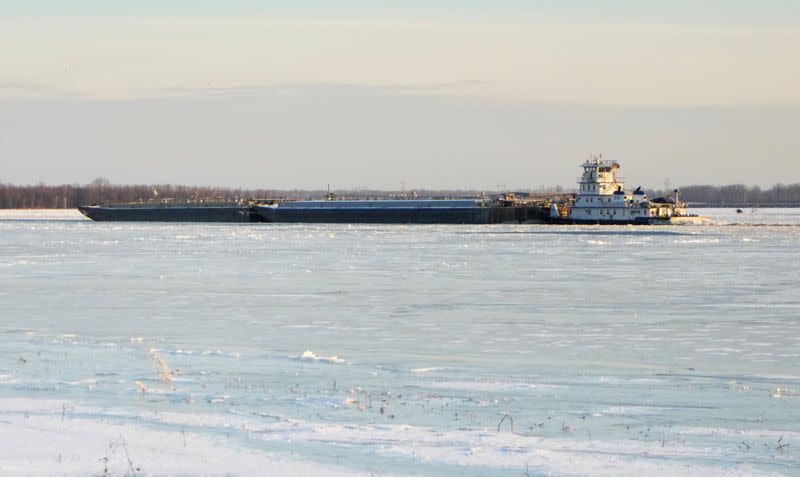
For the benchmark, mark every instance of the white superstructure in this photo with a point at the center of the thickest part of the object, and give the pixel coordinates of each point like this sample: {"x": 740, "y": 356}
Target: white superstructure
{"x": 601, "y": 198}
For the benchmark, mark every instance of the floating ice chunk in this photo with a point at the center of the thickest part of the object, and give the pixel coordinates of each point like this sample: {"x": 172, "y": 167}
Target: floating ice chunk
{"x": 320, "y": 401}
{"x": 231, "y": 354}
{"x": 428, "y": 370}
{"x": 494, "y": 386}
{"x": 351, "y": 400}
{"x": 309, "y": 355}
{"x": 164, "y": 373}
{"x": 779, "y": 392}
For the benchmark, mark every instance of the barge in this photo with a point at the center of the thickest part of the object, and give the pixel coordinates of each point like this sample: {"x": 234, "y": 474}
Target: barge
{"x": 376, "y": 211}
{"x": 412, "y": 211}
{"x": 166, "y": 211}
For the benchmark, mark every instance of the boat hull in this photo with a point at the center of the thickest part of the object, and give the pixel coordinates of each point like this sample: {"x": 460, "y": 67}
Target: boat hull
{"x": 156, "y": 213}
{"x": 678, "y": 220}
{"x": 396, "y": 215}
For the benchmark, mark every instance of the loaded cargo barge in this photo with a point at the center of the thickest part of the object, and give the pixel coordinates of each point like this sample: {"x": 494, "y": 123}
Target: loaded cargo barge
{"x": 171, "y": 212}
{"x": 425, "y": 211}
{"x": 414, "y": 211}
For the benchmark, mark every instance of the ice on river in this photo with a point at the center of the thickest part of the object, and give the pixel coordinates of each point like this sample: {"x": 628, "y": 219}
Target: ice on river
{"x": 259, "y": 349}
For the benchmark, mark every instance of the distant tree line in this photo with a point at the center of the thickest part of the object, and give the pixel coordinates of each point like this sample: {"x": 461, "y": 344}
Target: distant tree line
{"x": 738, "y": 194}
{"x": 42, "y": 196}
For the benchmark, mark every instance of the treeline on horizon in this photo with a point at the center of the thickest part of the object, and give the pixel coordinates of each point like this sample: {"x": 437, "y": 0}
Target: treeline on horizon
{"x": 741, "y": 194}
{"x": 43, "y": 196}
{"x": 69, "y": 196}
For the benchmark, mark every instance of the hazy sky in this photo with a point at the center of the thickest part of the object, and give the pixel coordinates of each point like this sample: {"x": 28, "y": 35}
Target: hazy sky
{"x": 437, "y": 93}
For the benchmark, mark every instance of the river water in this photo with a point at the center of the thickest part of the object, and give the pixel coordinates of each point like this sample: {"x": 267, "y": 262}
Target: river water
{"x": 255, "y": 349}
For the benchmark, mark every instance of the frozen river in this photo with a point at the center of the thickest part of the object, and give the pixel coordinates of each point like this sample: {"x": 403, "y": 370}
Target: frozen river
{"x": 276, "y": 349}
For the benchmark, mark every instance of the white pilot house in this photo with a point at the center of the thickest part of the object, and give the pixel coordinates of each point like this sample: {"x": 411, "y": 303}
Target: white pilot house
{"x": 601, "y": 198}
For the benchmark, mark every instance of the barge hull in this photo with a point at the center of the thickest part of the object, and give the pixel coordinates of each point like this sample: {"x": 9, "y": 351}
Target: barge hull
{"x": 367, "y": 212}
{"x": 422, "y": 215}
{"x": 473, "y": 215}
{"x": 640, "y": 221}
{"x": 169, "y": 214}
